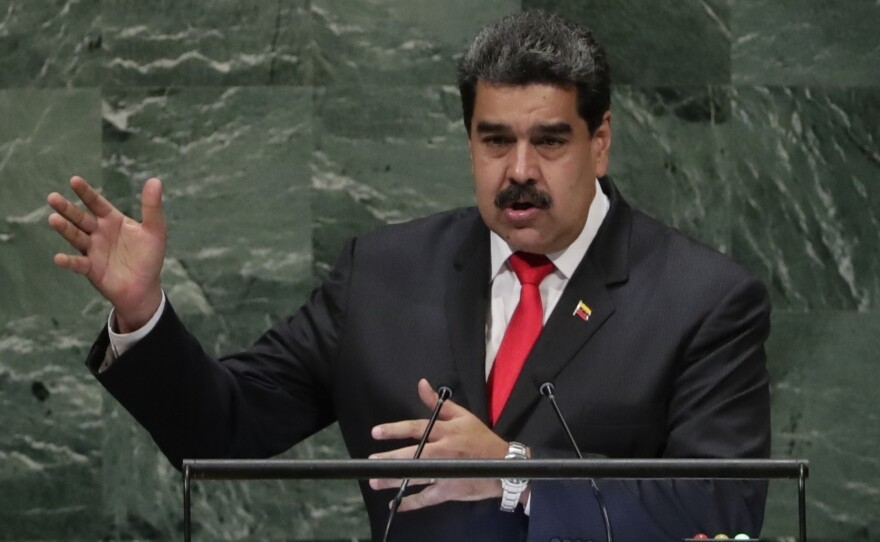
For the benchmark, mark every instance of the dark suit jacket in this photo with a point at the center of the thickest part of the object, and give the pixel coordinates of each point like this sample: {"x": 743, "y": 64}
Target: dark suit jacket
{"x": 670, "y": 364}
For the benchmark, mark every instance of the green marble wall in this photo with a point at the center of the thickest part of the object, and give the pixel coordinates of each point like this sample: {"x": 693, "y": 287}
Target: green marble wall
{"x": 282, "y": 127}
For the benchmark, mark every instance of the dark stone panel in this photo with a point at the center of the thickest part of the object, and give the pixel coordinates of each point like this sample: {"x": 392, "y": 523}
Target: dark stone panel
{"x": 235, "y": 163}
{"x": 50, "y": 478}
{"x": 51, "y": 43}
{"x": 50, "y": 454}
{"x": 396, "y": 41}
{"x": 823, "y": 372}
{"x": 804, "y": 42}
{"x": 805, "y": 173}
{"x": 235, "y": 166}
{"x": 193, "y": 43}
{"x": 383, "y": 155}
{"x": 143, "y": 495}
{"x": 668, "y": 157}
{"x": 45, "y": 137}
{"x": 686, "y": 42}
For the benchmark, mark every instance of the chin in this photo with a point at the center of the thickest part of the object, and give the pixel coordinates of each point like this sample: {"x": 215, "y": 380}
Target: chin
{"x": 527, "y": 242}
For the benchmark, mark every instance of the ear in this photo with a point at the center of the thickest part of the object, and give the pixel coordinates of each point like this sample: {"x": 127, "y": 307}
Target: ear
{"x": 471, "y": 151}
{"x": 601, "y": 145}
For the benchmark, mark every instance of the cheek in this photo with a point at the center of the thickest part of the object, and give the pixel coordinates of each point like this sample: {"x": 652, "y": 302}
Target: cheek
{"x": 562, "y": 178}
{"x": 488, "y": 176}
{"x": 483, "y": 188}
{"x": 574, "y": 191}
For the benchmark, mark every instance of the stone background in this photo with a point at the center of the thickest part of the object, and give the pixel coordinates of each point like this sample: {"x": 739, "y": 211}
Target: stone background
{"x": 752, "y": 125}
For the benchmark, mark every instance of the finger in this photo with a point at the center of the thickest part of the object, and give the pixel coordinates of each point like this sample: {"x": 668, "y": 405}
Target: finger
{"x": 429, "y": 397}
{"x": 79, "y": 218}
{"x": 77, "y": 264}
{"x": 73, "y": 235}
{"x": 399, "y": 430}
{"x": 400, "y": 453}
{"x": 452, "y": 490}
{"x": 96, "y": 203}
{"x": 430, "y": 496}
{"x": 151, "y": 205}
{"x": 394, "y": 483}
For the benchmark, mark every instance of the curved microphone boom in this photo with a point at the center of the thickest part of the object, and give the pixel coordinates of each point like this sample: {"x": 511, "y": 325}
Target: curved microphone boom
{"x": 547, "y": 389}
{"x": 443, "y": 393}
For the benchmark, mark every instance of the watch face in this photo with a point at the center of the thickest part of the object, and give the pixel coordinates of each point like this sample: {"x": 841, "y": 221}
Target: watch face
{"x": 515, "y": 485}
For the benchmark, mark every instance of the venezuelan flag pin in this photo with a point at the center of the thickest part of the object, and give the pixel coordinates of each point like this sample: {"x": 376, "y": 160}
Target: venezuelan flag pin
{"x": 583, "y": 311}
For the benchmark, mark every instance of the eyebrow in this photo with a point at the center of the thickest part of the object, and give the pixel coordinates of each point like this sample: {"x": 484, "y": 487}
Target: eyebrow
{"x": 555, "y": 128}
{"x": 484, "y": 127}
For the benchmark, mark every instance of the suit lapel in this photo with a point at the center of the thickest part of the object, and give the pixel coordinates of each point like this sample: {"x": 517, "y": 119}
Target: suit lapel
{"x": 466, "y": 304}
{"x": 565, "y": 334}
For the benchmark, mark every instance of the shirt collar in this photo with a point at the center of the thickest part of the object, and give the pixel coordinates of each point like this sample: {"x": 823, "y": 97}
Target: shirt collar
{"x": 567, "y": 259}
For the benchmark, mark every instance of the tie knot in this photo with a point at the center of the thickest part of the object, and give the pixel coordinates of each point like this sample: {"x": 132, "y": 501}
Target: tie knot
{"x": 530, "y": 268}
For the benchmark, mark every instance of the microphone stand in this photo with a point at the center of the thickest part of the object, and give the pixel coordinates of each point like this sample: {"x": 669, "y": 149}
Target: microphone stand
{"x": 547, "y": 390}
{"x": 443, "y": 393}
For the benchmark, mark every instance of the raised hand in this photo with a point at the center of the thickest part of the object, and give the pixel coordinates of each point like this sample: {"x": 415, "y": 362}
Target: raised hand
{"x": 120, "y": 256}
{"x": 457, "y": 434}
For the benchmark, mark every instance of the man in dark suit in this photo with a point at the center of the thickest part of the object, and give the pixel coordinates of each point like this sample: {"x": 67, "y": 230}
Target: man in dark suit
{"x": 654, "y": 342}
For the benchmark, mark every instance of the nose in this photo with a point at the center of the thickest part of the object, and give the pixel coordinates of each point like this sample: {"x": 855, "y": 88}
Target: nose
{"x": 524, "y": 163}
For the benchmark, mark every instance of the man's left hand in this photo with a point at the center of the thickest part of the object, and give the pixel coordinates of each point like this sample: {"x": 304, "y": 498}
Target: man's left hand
{"x": 458, "y": 434}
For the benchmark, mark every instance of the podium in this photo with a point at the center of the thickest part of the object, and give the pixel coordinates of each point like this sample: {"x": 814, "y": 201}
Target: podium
{"x": 533, "y": 469}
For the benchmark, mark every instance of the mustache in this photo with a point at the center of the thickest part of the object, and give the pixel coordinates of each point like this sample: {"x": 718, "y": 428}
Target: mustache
{"x": 524, "y": 194}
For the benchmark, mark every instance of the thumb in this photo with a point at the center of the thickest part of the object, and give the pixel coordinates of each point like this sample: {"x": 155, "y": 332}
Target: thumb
{"x": 427, "y": 394}
{"x": 151, "y": 205}
{"x": 429, "y": 397}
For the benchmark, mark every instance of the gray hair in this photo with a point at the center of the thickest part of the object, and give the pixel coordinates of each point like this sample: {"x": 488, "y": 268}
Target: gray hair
{"x": 534, "y": 47}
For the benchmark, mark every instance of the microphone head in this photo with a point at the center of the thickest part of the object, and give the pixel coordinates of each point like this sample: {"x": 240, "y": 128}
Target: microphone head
{"x": 445, "y": 392}
{"x": 547, "y": 389}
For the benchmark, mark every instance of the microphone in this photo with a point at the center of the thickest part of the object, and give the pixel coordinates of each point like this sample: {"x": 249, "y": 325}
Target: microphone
{"x": 547, "y": 390}
{"x": 443, "y": 393}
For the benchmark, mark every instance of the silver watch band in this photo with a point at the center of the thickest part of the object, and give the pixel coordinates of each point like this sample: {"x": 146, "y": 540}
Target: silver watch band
{"x": 512, "y": 488}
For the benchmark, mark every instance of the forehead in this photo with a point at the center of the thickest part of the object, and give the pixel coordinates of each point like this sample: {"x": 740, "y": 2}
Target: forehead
{"x": 524, "y": 103}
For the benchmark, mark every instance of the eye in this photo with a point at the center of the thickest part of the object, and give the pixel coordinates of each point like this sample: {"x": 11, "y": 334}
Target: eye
{"x": 550, "y": 142}
{"x": 497, "y": 141}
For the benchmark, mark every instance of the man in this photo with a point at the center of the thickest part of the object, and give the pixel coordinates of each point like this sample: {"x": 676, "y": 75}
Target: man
{"x": 654, "y": 342}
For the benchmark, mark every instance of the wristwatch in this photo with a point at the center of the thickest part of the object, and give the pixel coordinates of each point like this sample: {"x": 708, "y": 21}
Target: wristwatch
{"x": 512, "y": 488}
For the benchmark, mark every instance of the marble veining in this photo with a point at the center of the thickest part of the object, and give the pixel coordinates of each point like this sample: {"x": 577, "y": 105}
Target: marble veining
{"x": 805, "y": 183}
{"x": 50, "y": 44}
{"x": 801, "y": 42}
{"x": 190, "y": 43}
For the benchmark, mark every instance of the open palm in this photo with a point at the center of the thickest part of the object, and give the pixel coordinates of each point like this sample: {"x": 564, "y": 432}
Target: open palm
{"x": 120, "y": 256}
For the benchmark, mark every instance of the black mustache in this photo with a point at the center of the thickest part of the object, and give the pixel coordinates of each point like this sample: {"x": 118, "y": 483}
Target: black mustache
{"x": 523, "y": 193}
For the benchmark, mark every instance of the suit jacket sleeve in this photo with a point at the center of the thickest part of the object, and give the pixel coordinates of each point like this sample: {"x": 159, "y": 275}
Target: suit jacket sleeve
{"x": 254, "y": 404}
{"x": 719, "y": 409}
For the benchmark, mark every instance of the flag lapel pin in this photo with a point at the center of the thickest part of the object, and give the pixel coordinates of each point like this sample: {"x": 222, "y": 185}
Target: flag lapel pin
{"x": 583, "y": 311}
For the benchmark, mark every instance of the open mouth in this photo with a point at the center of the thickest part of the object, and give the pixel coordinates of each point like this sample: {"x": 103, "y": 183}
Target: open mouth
{"x": 522, "y": 205}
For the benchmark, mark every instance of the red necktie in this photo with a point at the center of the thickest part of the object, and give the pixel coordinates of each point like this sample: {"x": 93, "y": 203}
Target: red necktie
{"x": 522, "y": 330}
